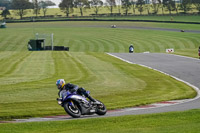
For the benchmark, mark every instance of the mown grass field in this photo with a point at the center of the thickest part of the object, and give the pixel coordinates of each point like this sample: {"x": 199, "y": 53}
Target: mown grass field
{"x": 27, "y": 79}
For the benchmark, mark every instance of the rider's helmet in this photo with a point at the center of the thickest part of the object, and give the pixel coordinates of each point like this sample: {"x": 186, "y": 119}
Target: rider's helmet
{"x": 60, "y": 83}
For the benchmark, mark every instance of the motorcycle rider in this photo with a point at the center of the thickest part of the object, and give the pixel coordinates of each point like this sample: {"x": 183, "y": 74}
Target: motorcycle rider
{"x": 60, "y": 83}
{"x": 131, "y": 48}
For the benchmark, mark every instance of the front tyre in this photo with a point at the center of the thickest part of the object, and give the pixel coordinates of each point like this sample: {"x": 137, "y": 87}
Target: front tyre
{"x": 101, "y": 109}
{"x": 73, "y": 111}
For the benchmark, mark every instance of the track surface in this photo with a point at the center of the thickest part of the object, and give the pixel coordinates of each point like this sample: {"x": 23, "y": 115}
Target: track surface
{"x": 160, "y": 29}
{"x": 142, "y": 28}
{"x": 182, "y": 68}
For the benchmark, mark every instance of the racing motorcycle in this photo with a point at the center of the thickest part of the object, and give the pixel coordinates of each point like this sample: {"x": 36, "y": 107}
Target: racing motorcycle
{"x": 76, "y": 105}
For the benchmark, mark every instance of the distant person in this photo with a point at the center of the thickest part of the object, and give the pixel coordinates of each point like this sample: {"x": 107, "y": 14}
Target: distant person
{"x": 131, "y": 48}
{"x": 199, "y": 52}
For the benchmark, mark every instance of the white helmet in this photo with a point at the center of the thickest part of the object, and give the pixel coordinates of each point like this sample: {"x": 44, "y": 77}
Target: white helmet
{"x": 60, "y": 83}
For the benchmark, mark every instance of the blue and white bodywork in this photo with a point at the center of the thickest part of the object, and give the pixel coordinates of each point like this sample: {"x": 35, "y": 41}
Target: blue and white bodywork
{"x": 77, "y": 105}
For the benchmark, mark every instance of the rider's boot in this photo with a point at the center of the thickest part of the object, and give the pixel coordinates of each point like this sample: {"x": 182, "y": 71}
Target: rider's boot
{"x": 93, "y": 100}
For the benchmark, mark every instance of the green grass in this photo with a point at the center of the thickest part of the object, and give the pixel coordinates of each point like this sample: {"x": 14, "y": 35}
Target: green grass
{"x": 176, "y": 122}
{"x": 28, "y": 85}
{"x": 99, "y": 37}
{"x": 27, "y": 79}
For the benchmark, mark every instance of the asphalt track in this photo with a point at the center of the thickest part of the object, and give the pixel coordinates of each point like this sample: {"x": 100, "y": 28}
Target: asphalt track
{"x": 159, "y": 29}
{"x": 146, "y": 28}
{"x": 181, "y": 68}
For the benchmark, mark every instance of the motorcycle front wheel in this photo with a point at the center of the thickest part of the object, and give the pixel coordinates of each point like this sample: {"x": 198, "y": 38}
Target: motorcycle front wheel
{"x": 73, "y": 111}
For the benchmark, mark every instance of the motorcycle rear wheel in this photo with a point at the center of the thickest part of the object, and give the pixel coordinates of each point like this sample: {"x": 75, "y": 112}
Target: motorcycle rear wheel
{"x": 101, "y": 109}
{"x": 72, "y": 111}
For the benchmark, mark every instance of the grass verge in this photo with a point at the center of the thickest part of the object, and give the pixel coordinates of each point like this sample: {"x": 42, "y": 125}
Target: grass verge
{"x": 175, "y": 122}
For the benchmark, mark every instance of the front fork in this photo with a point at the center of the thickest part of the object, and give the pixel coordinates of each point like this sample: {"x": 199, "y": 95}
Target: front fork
{"x": 71, "y": 103}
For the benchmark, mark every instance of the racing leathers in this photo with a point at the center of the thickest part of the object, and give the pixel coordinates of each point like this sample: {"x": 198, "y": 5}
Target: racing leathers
{"x": 75, "y": 89}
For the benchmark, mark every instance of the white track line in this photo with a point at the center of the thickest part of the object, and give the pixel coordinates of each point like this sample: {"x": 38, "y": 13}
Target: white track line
{"x": 186, "y": 57}
{"x": 178, "y": 101}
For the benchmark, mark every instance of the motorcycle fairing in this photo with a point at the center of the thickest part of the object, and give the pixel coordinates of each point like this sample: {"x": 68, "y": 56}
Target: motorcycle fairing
{"x": 85, "y": 105}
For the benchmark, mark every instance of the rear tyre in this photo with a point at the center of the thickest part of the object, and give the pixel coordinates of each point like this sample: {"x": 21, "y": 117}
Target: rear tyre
{"x": 73, "y": 111}
{"x": 101, "y": 109}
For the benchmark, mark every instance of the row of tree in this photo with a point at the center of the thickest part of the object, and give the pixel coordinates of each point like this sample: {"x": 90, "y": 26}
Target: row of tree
{"x": 68, "y": 6}
{"x": 21, "y": 6}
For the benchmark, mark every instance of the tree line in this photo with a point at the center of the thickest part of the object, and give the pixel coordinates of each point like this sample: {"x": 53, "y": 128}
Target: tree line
{"x": 20, "y": 7}
{"x": 123, "y": 6}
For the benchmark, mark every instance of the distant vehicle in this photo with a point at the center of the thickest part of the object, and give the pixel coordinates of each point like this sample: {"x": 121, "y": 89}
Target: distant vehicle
{"x": 131, "y": 48}
{"x": 113, "y": 26}
{"x": 76, "y": 105}
{"x": 182, "y": 30}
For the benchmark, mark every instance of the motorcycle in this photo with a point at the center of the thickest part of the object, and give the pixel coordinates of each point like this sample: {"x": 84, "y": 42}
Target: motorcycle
{"x": 76, "y": 105}
{"x": 131, "y": 50}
